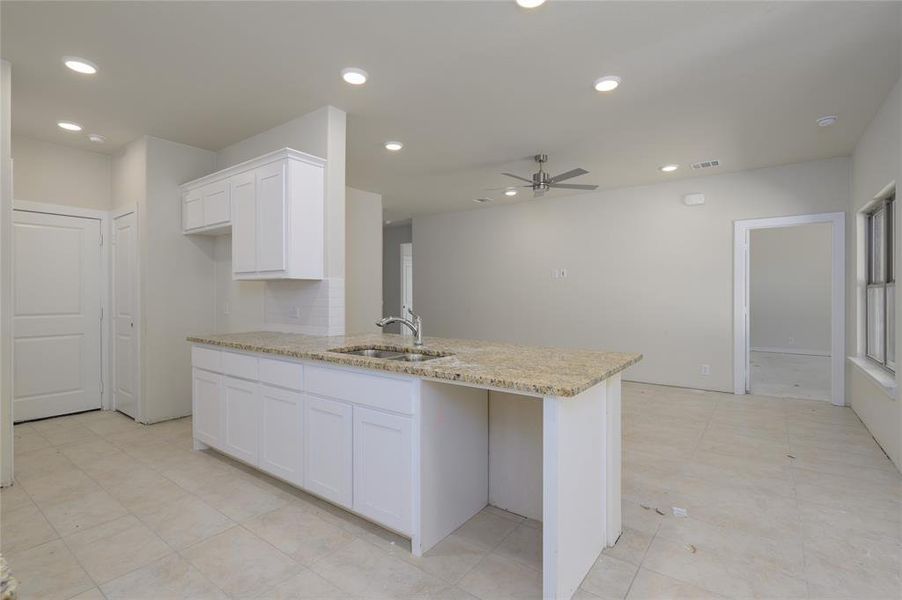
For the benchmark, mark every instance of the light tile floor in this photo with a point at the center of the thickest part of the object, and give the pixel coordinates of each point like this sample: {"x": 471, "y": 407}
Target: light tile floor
{"x": 790, "y": 375}
{"x": 785, "y": 499}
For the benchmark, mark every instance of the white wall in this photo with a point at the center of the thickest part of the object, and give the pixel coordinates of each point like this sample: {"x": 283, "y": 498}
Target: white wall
{"x": 6, "y": 216}
{"x": 644, "y": 272}
{"x": 876, "y": 163}
{"x": 178, "y": 285}
{"x": 393, "y": 237}
{"x": 321, "y": 304}
{"x": 363, "y": 256}
{"x": 790, "y": 279}
{"x": 129, "y": 175}
{"x": 56, "y": 174}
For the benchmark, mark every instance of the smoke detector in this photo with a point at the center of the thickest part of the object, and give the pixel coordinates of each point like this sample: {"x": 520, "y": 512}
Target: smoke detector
{"x": 827, "y": 121}
{"x": 705, "y": 164}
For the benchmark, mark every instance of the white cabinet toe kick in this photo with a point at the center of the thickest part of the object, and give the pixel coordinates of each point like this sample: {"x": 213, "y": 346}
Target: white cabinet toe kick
{"x": 412, "y": 454}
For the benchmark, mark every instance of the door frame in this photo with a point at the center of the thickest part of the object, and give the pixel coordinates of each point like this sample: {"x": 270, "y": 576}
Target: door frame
{"x": 741, "y": 342}
{"x": 104, "y": 218}
{"x": 115, "y": 214}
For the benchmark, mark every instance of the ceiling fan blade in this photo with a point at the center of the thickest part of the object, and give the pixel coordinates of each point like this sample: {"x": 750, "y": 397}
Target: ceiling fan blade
{"x": 568, "y": 175}
{"x": 518, "y": 177}
{"x": 573, "y": 186}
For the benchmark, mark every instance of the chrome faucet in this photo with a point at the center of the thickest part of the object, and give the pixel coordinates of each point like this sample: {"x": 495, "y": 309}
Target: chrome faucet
{"x": 415, "y": 325}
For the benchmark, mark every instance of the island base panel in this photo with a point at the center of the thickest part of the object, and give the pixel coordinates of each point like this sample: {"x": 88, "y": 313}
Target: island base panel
{"x": 453, "y": 443}
{"x": 579, "y": 488}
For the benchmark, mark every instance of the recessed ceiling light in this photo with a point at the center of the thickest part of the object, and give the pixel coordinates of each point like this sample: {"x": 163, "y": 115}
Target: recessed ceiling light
{"x": 608, "y": 83}
{"x": 482, "y": 200}
{"x": 393, "y": 146}
{"x": 827, "y": 121}
{"x": 80, "y": 65}
{"x": 669, "y": 168}
{"x": 530, "y": 3}
{"x": 97, "y": 138}
{"x": 354, "y": 76}
{"x": 510, "y": 192}
{"x": 69, "y": 126}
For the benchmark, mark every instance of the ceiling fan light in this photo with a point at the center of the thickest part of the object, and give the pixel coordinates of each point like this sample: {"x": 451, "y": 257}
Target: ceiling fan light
{"x": 510, "y": 192}
{"x": 530, "y": 3}
{"x": 669, "y": 168}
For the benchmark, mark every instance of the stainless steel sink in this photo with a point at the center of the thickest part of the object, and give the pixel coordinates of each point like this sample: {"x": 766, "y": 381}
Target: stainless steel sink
{"x": 398, "y": 355}
{"x": 373, "y": 353}
{"x": 413, "y": 357}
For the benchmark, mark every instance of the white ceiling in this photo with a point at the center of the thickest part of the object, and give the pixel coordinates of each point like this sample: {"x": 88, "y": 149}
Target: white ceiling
{"x": 471, "y": 88}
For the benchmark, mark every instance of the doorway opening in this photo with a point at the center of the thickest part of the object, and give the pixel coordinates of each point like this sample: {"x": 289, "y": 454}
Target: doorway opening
{"x": 406, "y": 282}
{"x": 789, "y": 307}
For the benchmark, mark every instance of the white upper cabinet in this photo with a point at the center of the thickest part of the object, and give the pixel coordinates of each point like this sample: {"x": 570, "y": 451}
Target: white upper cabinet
{"x": 274, "y": 208}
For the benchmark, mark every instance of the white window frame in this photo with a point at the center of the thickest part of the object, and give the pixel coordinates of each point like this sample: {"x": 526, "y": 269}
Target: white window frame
{"x": 885, "y": 202}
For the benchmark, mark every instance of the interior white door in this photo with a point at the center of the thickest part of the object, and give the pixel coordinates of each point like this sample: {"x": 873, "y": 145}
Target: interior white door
{"x": 56, "y": 315}
{"x": 125, "y": 293}
{"x": 406, "y": 282}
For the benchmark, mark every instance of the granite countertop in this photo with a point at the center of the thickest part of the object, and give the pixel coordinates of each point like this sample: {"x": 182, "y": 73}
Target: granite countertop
{"x": 525, "y": 369}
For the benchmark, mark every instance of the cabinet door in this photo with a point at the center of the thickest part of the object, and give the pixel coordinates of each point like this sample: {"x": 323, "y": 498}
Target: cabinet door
{"x": 271, "y": 217}
{"x": 241, "y": 423}
{"x": 244, "y": 223}
{"x": 282, "y": 433}
{"x": 216, "y": 203}
{"x": 382, "y": 467}
{"x": 207, "y": 407}
{"x": 193, "y": 210}
{"x": 327, "y": 436}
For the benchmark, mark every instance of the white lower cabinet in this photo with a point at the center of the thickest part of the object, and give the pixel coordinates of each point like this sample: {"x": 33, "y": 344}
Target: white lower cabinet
{"x": 328, "y": 436}
{"x": 282, "y": 433}
{"x": 207, "y": 409}
{"x": 343, "y": 435}
{"x": 382, "y": 467}
{"x": 241, "y": 422}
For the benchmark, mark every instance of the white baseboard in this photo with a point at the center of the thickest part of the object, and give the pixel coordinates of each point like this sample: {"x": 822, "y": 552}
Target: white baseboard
{"x": 803, "y": 351}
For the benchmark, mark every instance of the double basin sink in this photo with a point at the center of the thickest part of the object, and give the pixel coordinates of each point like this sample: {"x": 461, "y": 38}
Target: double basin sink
{"x": 387, "y": 354}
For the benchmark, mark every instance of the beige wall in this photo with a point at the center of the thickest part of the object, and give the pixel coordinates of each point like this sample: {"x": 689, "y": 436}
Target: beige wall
{"x": 644, "y": 272}
{"x": 790, "y": 286}
{"x": 55, "y": 174}
{"x": 876, "y": 163}
{"x": 363, "y": 269}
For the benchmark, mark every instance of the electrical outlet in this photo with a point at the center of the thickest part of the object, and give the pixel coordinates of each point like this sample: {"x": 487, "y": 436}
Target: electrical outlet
{"x": 792, "y": 340}
{"x": 296, "y": 312}
{"x": 563, "y": 273}
{"x": 226, "y": 308}
{"x": 706, "y": 370}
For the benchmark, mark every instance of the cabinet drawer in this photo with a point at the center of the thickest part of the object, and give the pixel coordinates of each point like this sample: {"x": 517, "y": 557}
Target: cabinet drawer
{"x": 204, "y": 358}
{"x": 280, "y": 373}
{"x": 239, "y": 365}
{"x": 386, "y": 393}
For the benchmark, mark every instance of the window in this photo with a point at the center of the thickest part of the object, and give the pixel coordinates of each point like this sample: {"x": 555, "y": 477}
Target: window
{"x": 880, "y": 299}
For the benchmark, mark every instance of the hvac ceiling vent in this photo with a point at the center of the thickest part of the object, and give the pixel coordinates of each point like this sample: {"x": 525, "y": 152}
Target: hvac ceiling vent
{"x": 706, "y": 164}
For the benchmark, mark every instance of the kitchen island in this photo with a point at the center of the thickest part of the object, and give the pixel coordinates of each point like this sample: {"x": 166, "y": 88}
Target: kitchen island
{"x": 402, "y": 438}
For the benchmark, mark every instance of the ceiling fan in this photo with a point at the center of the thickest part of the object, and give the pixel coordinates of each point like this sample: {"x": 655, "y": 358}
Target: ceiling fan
{"x": 541, "y": 181}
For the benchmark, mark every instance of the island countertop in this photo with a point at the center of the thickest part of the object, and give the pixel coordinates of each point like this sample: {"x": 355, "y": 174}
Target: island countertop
{"x": 525, "y": 369}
